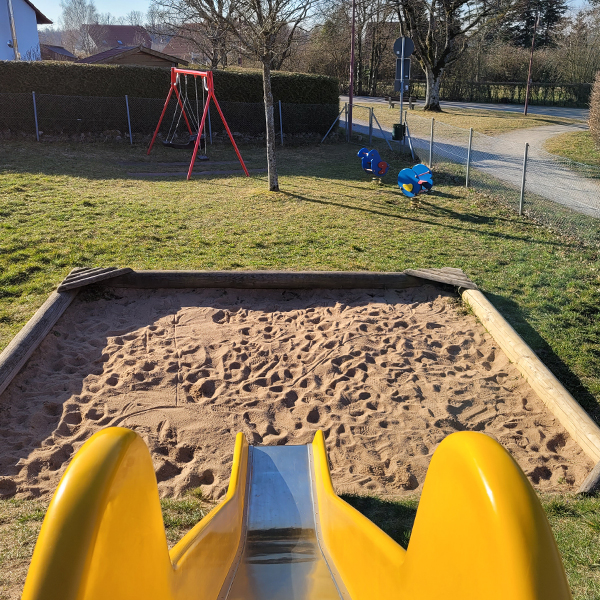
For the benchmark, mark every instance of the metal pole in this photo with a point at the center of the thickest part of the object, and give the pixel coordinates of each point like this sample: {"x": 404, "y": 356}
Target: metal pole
{"x": 431, "y": 144}
{"x": 336, "y": 120}
{"x": 347, "y": 121}
{"x": 209, "y": 128}
{"x": 412, "y": 152}
{"x": 128, "y": 120}
{"x": 530, "y": 65}
{"x": 370, "y": 125}
{"x": 37, "y": 131}
{"x": 351, "y": 91}
{"x": 13, "y": 31}
{"x": 469, "y": 157}
{"x": 523, "y": 180}
{"x": 402, "y": 81}
{"x": 380, "y": 129}
{"x": 280, "y": 123}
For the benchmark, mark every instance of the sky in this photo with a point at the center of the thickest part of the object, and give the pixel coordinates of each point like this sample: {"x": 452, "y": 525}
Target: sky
{"x": 117, "y": 8}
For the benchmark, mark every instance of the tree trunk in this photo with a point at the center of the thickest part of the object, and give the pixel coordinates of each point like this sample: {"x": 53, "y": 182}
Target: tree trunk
{"x": 432, "y": 100}
{"x": 270, "y": 118}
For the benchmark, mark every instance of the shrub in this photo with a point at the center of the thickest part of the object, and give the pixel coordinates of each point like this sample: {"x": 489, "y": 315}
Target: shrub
{"x": 73, "y": 79}
{"x": 594, "y": 121}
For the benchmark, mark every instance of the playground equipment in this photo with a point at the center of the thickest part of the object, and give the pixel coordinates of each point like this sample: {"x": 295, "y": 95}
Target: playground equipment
{"x": 415, "y": 181}
{"x": 371, "y": 163}
{"x": 181, "y": 96}
{"x": 283, "y": 534}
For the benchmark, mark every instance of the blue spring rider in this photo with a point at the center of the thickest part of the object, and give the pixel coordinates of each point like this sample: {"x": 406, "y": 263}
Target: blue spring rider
{"x": 372, "y": 163}
{"x": 412, "y": 182}
{"x": 415, "y": 181}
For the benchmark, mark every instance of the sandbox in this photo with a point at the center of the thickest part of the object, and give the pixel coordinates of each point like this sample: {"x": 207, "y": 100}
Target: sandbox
{"x": 386, "y": 367}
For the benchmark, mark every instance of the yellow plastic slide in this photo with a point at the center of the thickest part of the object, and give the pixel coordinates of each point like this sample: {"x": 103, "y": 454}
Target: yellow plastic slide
{"x": 283, "y": 534}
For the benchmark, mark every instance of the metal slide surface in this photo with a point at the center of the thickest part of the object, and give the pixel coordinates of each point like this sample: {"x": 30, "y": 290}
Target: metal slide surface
{"x": 280, "y": 554}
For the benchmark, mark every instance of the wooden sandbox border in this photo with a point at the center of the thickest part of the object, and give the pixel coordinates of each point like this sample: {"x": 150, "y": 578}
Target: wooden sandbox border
{"x": 556, "y": 398}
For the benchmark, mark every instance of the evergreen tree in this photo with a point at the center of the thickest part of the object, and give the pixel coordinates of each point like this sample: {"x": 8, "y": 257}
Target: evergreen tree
{"x": 518, "y": 29}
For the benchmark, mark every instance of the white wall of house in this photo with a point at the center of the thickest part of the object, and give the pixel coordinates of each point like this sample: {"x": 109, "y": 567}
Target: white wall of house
{"x": 26, "y": 27}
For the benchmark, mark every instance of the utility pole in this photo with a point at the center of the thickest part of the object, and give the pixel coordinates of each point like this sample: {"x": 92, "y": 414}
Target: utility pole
{"x": 13, "y": 30}
{"x": 537, "y": 20}
{"x": 351, "y": 91}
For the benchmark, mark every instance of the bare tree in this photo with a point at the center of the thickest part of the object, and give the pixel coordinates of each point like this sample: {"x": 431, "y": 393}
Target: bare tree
{"x": 439, "y": 30}
{"x": 262, "y": 30}
{"x": 134, "y": 17}
{"x": 204, "y": 25}
{"x": 265, "y": 30}
{"x": 76, "y": 14}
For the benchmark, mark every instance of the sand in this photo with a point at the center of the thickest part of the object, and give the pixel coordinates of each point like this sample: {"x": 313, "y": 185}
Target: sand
{"x": 385, "y": 374}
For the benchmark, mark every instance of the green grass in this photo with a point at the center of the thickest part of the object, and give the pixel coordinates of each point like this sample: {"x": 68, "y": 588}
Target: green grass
{"x": 65, "y": 205}
{"x": 575, "y": 523}
{"x": 577, "y": 145}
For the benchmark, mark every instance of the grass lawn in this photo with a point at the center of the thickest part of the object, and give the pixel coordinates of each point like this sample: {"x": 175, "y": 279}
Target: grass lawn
{"x": 489, "y": 122}
{"x": 575, "y": 522}
{"x": 578, "y": 146}
{"x": 64, "y": 205}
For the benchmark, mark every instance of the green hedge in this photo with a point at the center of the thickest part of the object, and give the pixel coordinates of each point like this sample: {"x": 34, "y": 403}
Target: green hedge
{"x": 71, "y": 79}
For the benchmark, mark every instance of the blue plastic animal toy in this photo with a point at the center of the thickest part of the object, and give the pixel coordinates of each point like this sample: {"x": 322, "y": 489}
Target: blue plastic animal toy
{"x": 415, "y": 181}
{"x": 372, "y": 163}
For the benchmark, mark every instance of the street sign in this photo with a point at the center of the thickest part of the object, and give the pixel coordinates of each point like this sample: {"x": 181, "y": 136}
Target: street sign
{"x": 409, "y": 47}
{"x": 406, "y": 72}
{"x": 397, "y": 86}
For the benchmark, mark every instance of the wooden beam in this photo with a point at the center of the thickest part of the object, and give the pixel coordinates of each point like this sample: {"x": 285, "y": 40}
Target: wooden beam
{"x": 82, "y": 277}
{"x": 447, "y": 275}
{"x": 552, "y": 393}
{"x": 264, "y": 280}
{"x": 591, "y": 483}
{"x": 21, "y": 347}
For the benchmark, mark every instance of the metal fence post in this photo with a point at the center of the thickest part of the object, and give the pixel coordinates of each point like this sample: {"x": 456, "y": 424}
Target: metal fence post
{"x": 523, "y": 179}
{"x": 431, "y": 144}
{"x": 37, "y": 131}
{"x": 128, "y": 120}
{"x": 370, "y": 125}
{"x": 280, "y": 123}
{"x": 346, "y": 117}
{"x": 469, "y": 157}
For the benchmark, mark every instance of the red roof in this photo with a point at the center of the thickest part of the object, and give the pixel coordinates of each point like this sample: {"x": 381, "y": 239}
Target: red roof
{"x": 107, "y": 55}
{"x": 112, "y": 36}
{"x": 182, "y": 43}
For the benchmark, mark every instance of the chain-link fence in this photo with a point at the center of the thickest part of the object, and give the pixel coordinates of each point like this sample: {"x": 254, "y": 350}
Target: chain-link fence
{"x": 53, "y": 115}
{"x": 555, "y": 191}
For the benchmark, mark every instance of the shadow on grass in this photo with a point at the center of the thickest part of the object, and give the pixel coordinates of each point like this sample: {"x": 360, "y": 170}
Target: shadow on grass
{"x": 396, "y": 518}
{"x": 450, "y": 214}
{"x": 514, "y": 314}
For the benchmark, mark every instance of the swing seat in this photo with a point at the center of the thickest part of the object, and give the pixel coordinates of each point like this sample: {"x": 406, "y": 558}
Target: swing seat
{"x": 187, "y": 146}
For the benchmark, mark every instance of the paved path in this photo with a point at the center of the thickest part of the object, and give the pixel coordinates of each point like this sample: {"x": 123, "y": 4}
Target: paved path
{"x": 536, "y": 136}
{"x": 581, "y": 114}
{"x": 548, "y": 175}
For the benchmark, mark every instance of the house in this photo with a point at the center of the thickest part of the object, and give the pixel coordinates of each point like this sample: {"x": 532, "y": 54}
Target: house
{"x": 106, "y": 37}
{"x": 50, "y": 52}
{"x": 195, "y": 42}
{"x": 187, "y": 44}
{"x": 135, "y": 55}
{"x": 18, "y": 30}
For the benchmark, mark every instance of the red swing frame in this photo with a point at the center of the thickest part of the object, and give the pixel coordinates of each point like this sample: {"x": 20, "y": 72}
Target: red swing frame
{"x": 207, "y": 77}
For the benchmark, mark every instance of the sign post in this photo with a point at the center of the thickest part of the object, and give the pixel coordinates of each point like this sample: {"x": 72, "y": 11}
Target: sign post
{"x": 403, "y": 48}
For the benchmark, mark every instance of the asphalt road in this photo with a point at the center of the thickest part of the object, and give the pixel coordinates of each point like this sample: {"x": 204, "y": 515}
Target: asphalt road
{"x": 581, "y": 114}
